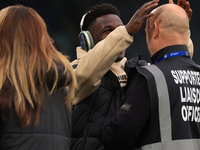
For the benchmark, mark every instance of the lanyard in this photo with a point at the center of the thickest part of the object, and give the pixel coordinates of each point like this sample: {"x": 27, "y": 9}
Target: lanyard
{"x": 173, "y": 54}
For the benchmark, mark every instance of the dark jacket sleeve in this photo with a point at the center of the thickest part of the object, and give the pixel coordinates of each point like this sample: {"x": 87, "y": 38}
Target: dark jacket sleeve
{"x": 129, "y": 122}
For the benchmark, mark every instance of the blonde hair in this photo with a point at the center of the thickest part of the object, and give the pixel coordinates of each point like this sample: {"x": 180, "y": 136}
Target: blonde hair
{"x": 26, "y": 56}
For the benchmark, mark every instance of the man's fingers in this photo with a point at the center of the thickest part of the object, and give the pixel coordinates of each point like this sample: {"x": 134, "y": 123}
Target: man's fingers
{"x": 188, "y": 10}
{"x": 179, "y": 2}
{"x": 140, "y": 16}
{"x": 183, "y": 4}
{"x": 187, "y": 6}
{"x": 149, "y": 7}
{"x": 148, "y": 16}
{"x": 145, "y": 8}
{"x": 171, "y": 2}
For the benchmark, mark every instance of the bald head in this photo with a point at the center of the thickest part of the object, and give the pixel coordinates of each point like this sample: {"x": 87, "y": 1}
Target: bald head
{"x": 172, "y": 17}
{"x": 169, "y": 26}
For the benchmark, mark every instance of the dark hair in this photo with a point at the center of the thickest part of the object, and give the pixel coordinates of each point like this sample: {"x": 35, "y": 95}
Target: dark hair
{"x": 99, "y": 10}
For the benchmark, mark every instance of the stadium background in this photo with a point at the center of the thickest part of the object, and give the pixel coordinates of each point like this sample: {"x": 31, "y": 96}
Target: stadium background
{"x": 63, "y": 18}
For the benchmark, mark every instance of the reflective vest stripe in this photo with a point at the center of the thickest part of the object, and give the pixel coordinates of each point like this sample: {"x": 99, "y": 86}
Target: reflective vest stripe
{"x": 164, "y": 106}
{"x": 165, "y": 118}
{"x": 191, "y": 144}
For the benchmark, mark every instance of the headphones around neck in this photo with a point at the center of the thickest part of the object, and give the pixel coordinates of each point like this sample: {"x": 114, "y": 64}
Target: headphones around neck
{"x": 85, "y": 37}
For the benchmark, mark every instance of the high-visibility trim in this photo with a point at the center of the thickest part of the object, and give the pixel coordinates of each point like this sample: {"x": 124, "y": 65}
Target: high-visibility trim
{"x": 165, "y": 118}
{"x": 163, "y": 103}
{"x": 190, "y": 144}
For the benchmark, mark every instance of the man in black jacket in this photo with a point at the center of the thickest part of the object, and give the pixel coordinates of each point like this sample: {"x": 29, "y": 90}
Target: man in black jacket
{"x": 162, "y": 103}
{"x": 101, "y": 71}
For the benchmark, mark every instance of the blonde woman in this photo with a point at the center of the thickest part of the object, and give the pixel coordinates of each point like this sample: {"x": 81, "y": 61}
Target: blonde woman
{"x": 34, "y": 103}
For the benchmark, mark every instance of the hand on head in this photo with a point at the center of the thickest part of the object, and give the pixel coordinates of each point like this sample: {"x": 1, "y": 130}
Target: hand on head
{"x": 185, "y": 5}
{"x": 169, "y": 26}
{"x": 140, "y": 16}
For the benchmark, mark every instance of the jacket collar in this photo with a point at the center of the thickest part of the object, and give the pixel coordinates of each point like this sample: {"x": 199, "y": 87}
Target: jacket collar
{"x": 166, "y": 50}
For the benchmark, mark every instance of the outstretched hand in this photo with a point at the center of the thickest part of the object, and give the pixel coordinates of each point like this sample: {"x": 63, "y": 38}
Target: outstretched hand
{"x": 185, "y": 5}
{"x": 135, "y": 23}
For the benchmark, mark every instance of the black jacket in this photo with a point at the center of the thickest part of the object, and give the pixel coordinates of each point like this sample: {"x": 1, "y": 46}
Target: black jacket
{"x": 137, "y": 122}
{"x": 97, "y": 110}
{"x": 51, "y": 133}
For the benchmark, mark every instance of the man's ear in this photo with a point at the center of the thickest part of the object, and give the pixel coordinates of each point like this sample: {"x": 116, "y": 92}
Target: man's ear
{"x": 156, "y": 31}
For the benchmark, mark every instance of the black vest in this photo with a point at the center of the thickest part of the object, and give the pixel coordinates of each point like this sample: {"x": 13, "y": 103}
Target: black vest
{"x": 175, "y": 105}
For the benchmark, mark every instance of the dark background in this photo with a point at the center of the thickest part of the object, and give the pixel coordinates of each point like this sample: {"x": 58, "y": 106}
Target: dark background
{"x": 63, "y": 18}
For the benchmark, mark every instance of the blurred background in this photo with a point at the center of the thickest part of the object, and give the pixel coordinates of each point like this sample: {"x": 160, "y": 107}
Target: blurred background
{"x": 63, "y": 18}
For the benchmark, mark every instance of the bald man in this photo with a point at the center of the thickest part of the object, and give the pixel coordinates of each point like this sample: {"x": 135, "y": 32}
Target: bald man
{"x": 161, "y": 109}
